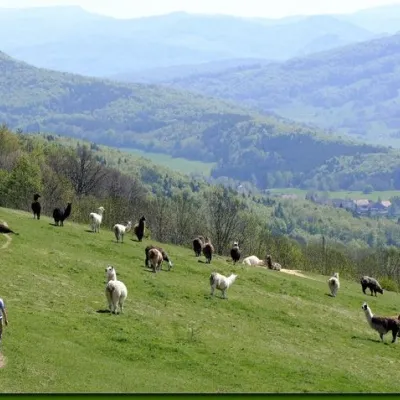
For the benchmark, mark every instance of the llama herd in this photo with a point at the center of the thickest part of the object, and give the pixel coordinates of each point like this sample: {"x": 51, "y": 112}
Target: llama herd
{"x": 116, "y": 291}
{"x": 382, "y": 325}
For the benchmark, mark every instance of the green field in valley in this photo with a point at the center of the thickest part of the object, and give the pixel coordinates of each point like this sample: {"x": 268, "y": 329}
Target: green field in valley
{"x": 177, "y": 164}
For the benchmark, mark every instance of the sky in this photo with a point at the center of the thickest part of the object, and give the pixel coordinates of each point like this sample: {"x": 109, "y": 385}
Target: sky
{"x": 244, "y": 8}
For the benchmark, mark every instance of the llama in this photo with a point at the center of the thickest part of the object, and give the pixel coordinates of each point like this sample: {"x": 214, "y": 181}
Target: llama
{"x": 139, "y": 229}
{"x": 221, "y": 282}
{"x": 163, "y": 253}
{"x": 334, "y": 284}
{"x": 235, "y": 252}
{"x": 111, "y": 273}
{"x": 272, "y": 264}
{"x": 120, "y": 230}
{"x": 116, "y": 294}
{"x": 253, "y": 260}
{"x": 372, "y": 284}
{"x": 382, "y": 325}
{"x": 198, "y": 244}
{"x": 60, "y": 215}
{"x": 208, "y": 250}
{"x": 5, "y": 229}
{"x": 155, "y": 258}
{"x": 36, "y": 207}
{"x": 96, "y": 219}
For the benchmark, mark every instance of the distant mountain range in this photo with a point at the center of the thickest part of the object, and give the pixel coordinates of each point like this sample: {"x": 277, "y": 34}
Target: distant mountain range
{"x": 73, "y": 40}
{"x": 268, "y": 151}
{"x": 352, "y": 89}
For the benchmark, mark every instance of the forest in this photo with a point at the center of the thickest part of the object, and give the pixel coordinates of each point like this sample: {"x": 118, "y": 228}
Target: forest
{"x": 267, "y": 151}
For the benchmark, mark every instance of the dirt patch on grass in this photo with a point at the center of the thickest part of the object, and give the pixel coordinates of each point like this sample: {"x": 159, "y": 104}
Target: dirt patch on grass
{"x": 2, "y": 361}
{"x": 297, "y": 273}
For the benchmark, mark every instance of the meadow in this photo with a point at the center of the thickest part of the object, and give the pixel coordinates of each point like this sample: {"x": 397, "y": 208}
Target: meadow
{"x": 374, "y": 196}
{"x": 276, "y": 332}
{"x": 181, "y": 165}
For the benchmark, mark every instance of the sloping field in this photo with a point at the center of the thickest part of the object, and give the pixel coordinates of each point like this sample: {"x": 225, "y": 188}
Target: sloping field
{"x": 276, "y": 332}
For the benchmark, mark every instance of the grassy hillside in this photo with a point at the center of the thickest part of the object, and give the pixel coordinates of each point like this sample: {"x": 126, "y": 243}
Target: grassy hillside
{"x": 351, "y": 90}
{"x": 96, "y": 45}
{"x": 267, "y": 151}
{"x": 270, "y": 335}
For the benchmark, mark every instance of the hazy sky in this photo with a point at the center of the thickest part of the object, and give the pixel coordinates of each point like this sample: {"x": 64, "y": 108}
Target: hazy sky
{"x": 247, "y": 8}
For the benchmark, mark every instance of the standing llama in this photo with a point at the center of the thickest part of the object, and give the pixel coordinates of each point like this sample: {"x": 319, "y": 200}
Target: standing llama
{"x": 139, "y": 228}
{"x": 221, "y": 282}
{"x": 36, "y": 207}
{"x": 334, "y": 284}
{"x": 382, "y": 325}
{"x": 235, "y": 252}
{"x": 120, "y": 230}
{"x": 116, "y": 291}
{"x": 372, "y": 284}
{"x": 96, "y": 219}
{"x": 208, "y": 250}
{"x": 198, "y": 244}
{"x": 60, "y": 215}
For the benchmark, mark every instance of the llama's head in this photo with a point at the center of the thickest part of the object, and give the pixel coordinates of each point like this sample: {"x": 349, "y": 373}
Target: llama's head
{"x": 142, "y": 219}
{"x": 336, "y": 275}
{"x": 101, "y": 209}
{"x": 235, "y": 244}
{"x": 233, "y": 277}
{"x": 111, "y": 273}
{"x": 36, "y": 196}
{"x": 379, "y": 290}
{"x": 365, "y": 306}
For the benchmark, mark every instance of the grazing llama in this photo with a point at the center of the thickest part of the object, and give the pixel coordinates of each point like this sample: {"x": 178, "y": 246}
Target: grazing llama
{"x": 372, "y": 284}
{"x": 208, "y": 250}
{"x": 253, "y": 260}
{"x": 139, "y": 229}
{"x": 221, "y": 282}
{"x": 120, "y": 230}
{"x": 198, "y": 244}
{"x": 272, "y": 264}
{"x": 60, "y": 215}
{"x": 5, "y": 229}
{"x": 96, "y": 219}
{"x": 163, "y": 253}
{"x": 155, "y": 259}
{"x": 382, "y": 325}
{"x": 36, "y": 207}
{"x": 334, "y": 284}
{"x": 235, "y": 252}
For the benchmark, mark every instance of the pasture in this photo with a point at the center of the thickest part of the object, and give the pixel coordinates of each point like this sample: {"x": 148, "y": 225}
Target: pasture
{"x": 178, "y": 164}
{"x": 374, "y": 196}
{"x": 276, "y": 332}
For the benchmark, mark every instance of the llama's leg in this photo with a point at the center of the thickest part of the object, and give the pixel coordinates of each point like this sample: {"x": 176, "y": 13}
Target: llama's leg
{"x": 381, "y": 336}
{"x": 224, "y": 294}
{"x": 212, "y": 290}
{"x": 38, "y": 215}
{"x": 394, "y": 334}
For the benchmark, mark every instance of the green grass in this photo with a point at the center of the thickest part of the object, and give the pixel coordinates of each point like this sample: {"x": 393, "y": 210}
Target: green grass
{"x": 275, "y": 333}
{"x": 384, "y": 195}
{"x": 177, "y": 164}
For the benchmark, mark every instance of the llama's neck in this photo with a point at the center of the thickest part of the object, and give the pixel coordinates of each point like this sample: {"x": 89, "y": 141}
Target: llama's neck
{"x": 112, "y": 277}
{"x": 269, "y": 262}
{"x": 231, "y": 279}
{"x": 369, "y": 315}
